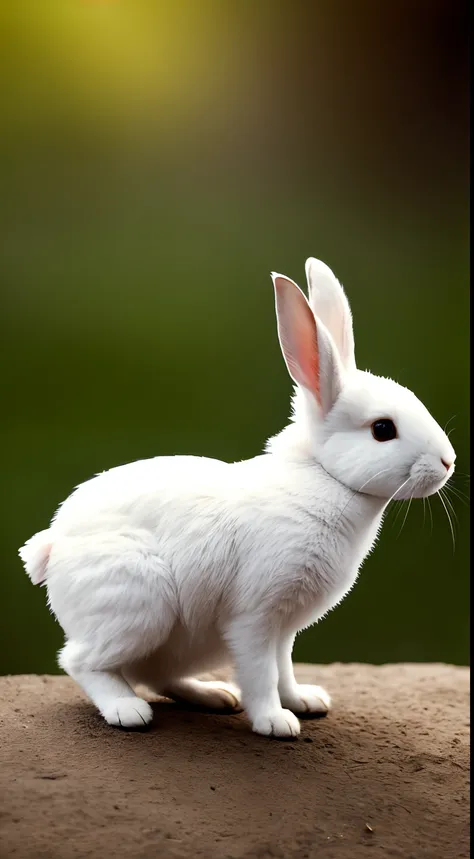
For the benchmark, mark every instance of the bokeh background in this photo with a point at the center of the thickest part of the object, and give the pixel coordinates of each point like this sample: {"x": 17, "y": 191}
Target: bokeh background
{"x": 158, "y": 161}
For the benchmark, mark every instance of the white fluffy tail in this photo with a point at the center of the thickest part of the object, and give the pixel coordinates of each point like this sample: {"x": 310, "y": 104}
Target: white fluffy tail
{"x": 35, "y": 555}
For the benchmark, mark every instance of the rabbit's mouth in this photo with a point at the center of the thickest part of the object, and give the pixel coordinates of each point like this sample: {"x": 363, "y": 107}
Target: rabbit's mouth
{"x": 428, "y": 476}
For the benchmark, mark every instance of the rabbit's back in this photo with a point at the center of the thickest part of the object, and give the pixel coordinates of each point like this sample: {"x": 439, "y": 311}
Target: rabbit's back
{"x": 137, "y": 491}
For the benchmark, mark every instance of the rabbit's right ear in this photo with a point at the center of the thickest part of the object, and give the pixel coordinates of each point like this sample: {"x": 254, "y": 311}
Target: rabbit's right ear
{"x": 329, "y": 303}
{"x": 308, "y": 349}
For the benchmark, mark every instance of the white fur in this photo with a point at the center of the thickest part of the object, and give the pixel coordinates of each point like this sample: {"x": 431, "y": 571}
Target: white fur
{"x": 168, "y": 567}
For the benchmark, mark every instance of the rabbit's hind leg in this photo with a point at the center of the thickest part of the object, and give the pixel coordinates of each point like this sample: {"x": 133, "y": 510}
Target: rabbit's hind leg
{"x": 108, "y": 690}
{"x": 171, "y": 670}
{"x": 109, "y": 622}
{"x": 214, "y": 694}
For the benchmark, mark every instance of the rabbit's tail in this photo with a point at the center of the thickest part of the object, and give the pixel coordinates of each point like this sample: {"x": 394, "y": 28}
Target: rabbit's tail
{"x": 35, "y": 555}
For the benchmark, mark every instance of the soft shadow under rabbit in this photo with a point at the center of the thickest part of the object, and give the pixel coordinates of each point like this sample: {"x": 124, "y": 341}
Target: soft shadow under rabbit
{"x": 164, "y": 568}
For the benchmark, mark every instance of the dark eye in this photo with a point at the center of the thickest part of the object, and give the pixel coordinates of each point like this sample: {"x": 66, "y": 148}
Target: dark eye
{"x": 384, "y": 430}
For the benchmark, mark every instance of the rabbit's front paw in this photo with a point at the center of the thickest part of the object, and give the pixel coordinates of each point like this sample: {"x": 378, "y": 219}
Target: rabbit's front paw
{"x": 128, "y": 713}
{"x": 277, "y": 723}
{"x": 307, "y": 699}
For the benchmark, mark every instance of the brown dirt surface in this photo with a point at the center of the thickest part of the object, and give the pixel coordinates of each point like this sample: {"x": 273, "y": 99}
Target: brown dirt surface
{"x": 384, "y": 775}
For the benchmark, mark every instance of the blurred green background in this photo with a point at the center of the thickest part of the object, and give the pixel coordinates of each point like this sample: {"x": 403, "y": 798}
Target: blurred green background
{"x": 158, "y": 161}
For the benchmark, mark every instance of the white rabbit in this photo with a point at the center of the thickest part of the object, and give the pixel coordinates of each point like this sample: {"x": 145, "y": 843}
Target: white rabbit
{"x": 166, "y": 568}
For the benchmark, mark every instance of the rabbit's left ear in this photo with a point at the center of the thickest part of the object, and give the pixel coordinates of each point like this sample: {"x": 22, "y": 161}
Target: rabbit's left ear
{"x": 329, "y": 303}
{"x": 308, "y": 349}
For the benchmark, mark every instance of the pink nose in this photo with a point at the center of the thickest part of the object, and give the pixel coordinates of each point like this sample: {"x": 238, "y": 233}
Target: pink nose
{"x": 447, "y": 465}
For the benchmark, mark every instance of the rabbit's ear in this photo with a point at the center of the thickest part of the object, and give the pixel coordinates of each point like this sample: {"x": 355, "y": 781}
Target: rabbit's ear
{"x": 329, "y": 303}
{"x": 307, "y": 346}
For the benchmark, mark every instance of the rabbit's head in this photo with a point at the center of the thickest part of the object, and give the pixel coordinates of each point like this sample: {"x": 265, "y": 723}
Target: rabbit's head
{"x": 368, "y": 432}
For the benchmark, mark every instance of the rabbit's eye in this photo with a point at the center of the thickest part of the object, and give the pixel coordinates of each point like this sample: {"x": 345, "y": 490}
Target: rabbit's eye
{"x": 384, "y": 430}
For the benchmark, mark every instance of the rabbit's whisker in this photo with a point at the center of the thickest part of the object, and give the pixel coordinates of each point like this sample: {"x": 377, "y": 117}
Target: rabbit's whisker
{"x": 406, "y": 515}
{"x": 356, "y": 492}
{"x": 448, "y": 422}
{"x": 449, "y": 503}
{"x": 398, "y": 490}
{"x": 461, "y": 496}
{"x": 431, "y": 515}
{"x": 400, "y": 503}
{"x": 449, "y": 520}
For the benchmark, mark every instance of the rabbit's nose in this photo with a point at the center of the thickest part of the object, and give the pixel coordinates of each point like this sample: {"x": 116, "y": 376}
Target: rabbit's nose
{"x": 447, "y": 465}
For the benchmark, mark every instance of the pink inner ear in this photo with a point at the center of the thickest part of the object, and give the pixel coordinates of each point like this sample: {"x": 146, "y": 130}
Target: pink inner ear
{"x": 298, "y": 335}
{"x": 309, "y": 358}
